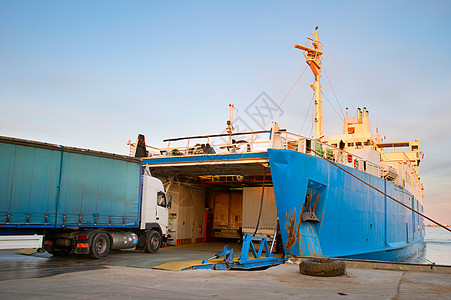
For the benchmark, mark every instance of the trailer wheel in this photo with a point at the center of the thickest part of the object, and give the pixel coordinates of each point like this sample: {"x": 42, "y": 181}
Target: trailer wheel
{"x": 153, "y": 241}
{"x": 322, "y": 267}
{"x": 100, "y": 245}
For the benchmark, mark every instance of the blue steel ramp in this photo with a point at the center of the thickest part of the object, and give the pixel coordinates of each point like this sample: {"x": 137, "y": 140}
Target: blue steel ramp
{"x": 224, "y": 260}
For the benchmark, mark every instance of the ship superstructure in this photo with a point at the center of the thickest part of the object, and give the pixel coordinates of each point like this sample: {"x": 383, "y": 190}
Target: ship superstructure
{"x": 399, "y": 161}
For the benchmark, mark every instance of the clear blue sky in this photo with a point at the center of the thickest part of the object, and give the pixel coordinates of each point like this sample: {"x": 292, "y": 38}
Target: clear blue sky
{"x": 94, "y": 74}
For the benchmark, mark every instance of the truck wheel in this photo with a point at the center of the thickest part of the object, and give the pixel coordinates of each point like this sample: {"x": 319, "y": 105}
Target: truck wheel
{"x": 153, "y": 242}
{"x": 100, "y": 245}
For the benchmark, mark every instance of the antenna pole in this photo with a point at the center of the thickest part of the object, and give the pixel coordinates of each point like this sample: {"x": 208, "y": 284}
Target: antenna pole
{"x": 312, "y": 55}
{"x": 318, "y": 108}
{"x": 230, "y": 127}
{"x": 231, "y": 112}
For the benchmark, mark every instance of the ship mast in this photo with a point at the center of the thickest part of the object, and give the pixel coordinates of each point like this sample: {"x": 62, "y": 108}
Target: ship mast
{"x": 312, "y": 55}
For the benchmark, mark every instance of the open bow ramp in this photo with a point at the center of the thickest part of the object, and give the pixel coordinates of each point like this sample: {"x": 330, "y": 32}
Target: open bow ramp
{"x": 260, "y": 258}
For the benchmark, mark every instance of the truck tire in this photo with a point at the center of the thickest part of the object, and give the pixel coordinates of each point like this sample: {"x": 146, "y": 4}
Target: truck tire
{"x": 153, "y": 242}
{"x": 100, "y": 245}
{"x": 322, "y": 267}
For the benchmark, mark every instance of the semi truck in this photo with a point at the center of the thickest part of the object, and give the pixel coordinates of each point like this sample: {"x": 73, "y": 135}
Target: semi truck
{"x": 80, "y": 201}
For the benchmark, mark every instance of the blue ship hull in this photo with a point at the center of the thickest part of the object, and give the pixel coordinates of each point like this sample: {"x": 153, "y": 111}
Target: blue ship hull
{"x": 354, "y": 220}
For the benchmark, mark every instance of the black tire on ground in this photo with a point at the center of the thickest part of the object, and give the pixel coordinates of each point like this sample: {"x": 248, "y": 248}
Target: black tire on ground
{"x": 153, "y": 241}
{"x": 322, "y": 267}
{"x": 100, "y": 245}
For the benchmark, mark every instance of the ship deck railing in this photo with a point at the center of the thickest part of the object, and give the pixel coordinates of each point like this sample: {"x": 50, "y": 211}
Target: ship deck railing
{"x": 259, "y": 141}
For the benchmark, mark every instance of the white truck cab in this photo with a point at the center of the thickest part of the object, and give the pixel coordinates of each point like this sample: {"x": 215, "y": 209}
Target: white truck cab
{"x": 154, "y": 213}
{"x": 155, "y": 204}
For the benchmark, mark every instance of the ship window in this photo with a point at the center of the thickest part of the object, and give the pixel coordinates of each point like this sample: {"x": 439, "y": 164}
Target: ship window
{"x": 358, "y": 144}
{"x": 367, "y": 143}
{"x": 415, "y": 148}
{"x": 161, "y": 199}
{"x": 350, "y": 144}
{"x": 351, "y": 130}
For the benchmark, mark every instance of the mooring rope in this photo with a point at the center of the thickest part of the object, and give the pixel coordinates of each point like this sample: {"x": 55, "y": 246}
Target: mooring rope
{"x": 278, "y": 107}
{"x": 261, "y": 203}
{"x": 383, "y": 193}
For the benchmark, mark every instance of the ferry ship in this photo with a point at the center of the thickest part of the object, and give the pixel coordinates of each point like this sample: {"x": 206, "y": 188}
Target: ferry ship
{"x": 352, "y": 195}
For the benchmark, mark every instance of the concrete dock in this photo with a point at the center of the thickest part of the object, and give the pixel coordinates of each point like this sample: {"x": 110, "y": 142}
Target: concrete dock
{"x": 281, "y": 282}
{"x": 121, "y": 276}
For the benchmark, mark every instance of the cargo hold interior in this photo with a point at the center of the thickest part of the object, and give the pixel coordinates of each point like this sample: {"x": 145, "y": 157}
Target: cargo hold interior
{"x": 218, "y": 202}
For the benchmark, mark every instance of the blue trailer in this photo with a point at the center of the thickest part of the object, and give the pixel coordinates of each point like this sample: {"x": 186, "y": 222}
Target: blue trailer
{"x": 81, "y": 201}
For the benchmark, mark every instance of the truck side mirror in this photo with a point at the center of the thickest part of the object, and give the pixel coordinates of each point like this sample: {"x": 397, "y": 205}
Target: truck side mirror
{"x": 169, "y": 201}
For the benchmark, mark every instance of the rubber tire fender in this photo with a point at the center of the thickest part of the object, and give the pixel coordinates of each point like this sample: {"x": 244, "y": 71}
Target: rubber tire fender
{"x": 100, "y": 245}
{"x": 153, "y": 241}
{"x": 322, "y": 268}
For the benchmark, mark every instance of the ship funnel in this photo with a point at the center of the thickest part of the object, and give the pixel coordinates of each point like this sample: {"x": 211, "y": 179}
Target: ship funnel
{"x": 365, "y": 121}
{"x": 365, "y": 112}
